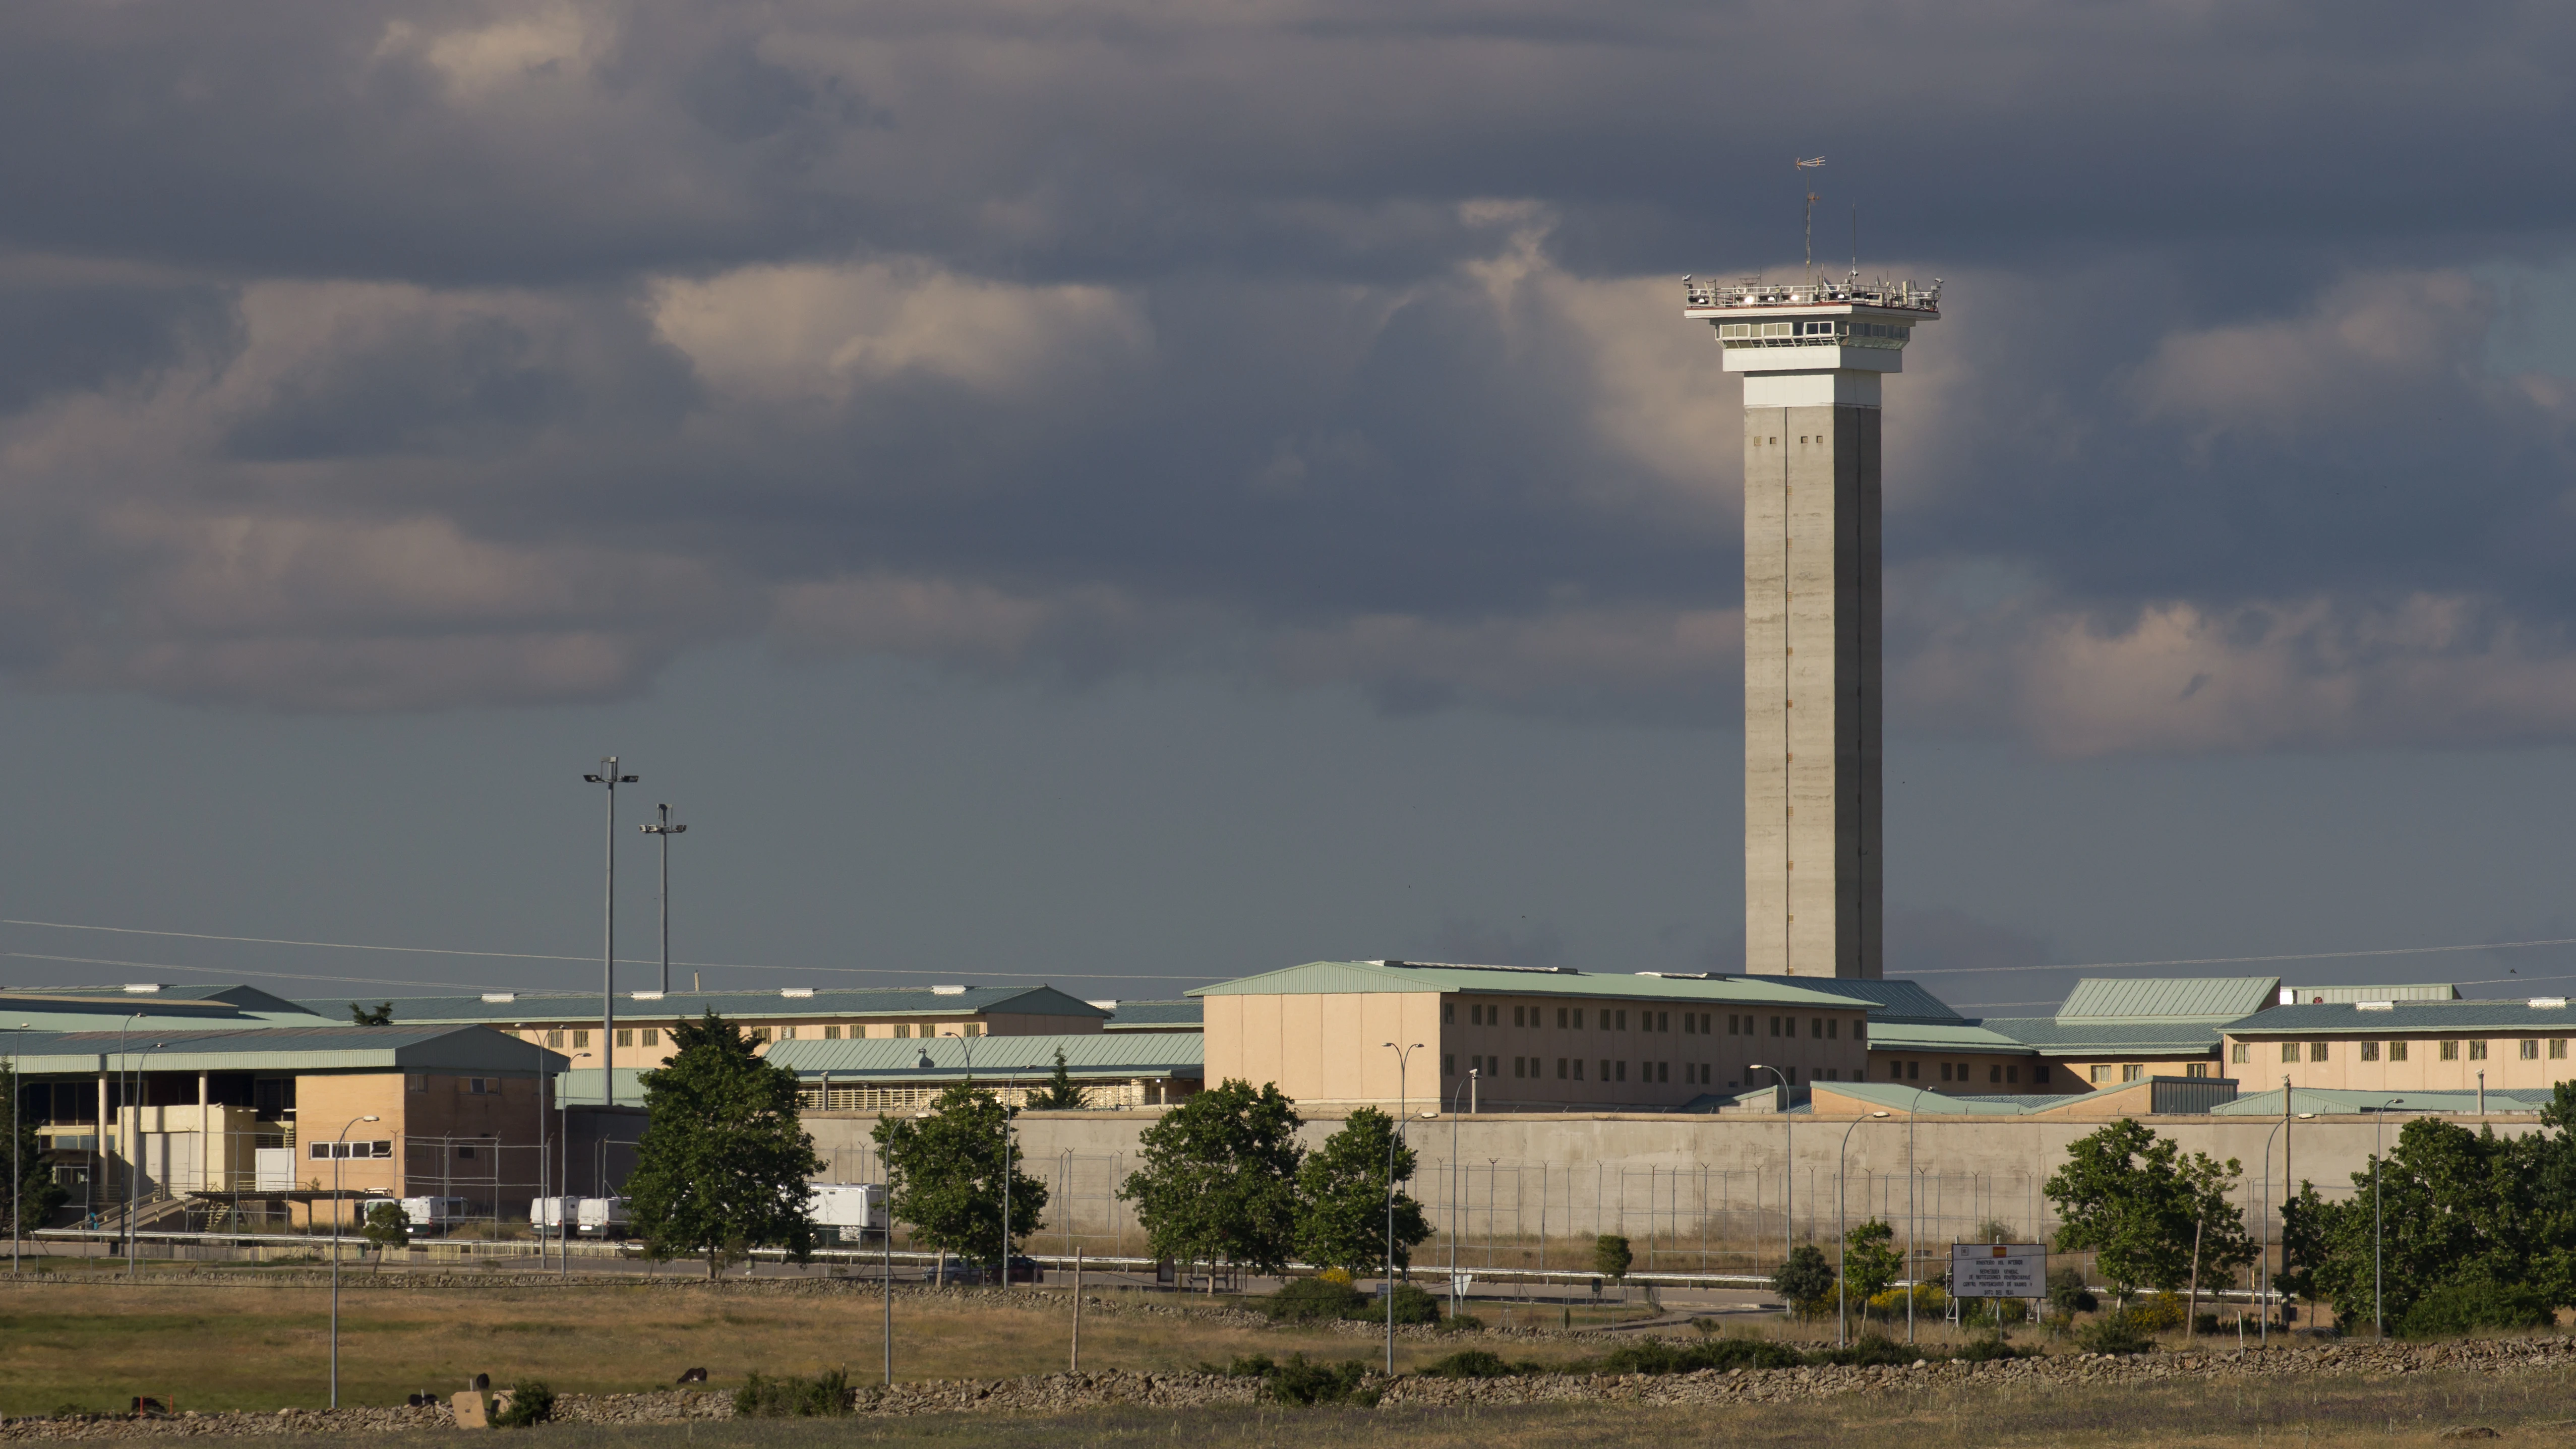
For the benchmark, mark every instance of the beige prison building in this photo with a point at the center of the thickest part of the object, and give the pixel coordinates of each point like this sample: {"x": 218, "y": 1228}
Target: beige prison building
{"x": 2401, "y": 1046}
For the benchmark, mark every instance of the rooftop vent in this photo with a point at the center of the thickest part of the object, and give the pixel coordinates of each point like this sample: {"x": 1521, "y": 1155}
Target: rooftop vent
{"x": 2374, "y": 1006}
{"x": 1103, "y": 1005}
{"x": 2549, "y": 1002}
{"x": 1685, "y": 975}
{"x": 648, "y": 996}
{"x": 941, "y": 991}
{"x": 1469, "y": 966}
{"x": 500, "y": 996}
{"x": 796, "y": 992}
{"x": 142, "y": 988}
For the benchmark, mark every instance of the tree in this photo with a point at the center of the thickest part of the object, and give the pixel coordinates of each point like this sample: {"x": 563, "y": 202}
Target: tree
{"x": 387, "y": 1227}
{"x": 1342, "y": 1221}
{"x": 725, "y": 1157}
{"x": 2454, "y": 1207}
{"x": 1059, "y": 1094}
{"x": 1219, "y": 1180}
{"x": 1806, "y": 1280}
{"x": 38, "y": 1194}
{"x": 1611, "y": 1256}
{"x": 1871, "y": 1264}
{"x": 383, "y": 1015}
{"x": 946, "y": 1173}
{"x": 2151, "y": 1216}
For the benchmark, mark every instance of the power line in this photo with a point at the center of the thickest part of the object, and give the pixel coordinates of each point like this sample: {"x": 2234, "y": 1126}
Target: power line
{"x": 2250, "y": 960}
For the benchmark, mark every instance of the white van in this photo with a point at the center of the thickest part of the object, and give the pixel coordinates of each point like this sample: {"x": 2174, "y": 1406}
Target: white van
{"x": 601, "y": 1217}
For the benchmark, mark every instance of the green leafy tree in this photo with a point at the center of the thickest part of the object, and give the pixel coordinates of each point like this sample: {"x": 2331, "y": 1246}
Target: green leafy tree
{"x": 725, "y": 1157}
{"x": 1059, "y": 1094}
{"x": 1219, "y": 1180}
{"x": 38, "y": 1194}
{"x": 1611, "y": 1256}
{"x": 2152, "y": 1217}
{"x": 2455, "y": 1208}
{"x": 387, "y": 1227}
{"x": 1806, "y": 1280}
{"x": 1343, "y": 1219}
{"x": 946, "y": 1171}
{"x": 383, "y": 1015}
{"x": 1871, "y": 1264}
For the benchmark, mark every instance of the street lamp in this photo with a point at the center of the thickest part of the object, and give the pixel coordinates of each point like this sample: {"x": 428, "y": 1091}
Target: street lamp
{"x": 2379, "y": 1135}
{"x": 966, "y": 1048}
{"x": 1842, "y": 1230}
{"x": 609, "y": 777}
{"x": 664, "y": 828}
{"x": 17, "y": 1174}
{"x": 1469, "y": 1085}
{"x": 1403, "y": 1056}
{"x": 339, "y": 1153}
{"x": 1788, "y": 1169}
{"x": 2263, "y": 1266}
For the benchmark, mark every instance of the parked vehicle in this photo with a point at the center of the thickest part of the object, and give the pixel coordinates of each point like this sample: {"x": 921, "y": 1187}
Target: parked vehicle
{"x": 848, "y": 1212}
{"x": 551, "y": 1213}
{"x": 434, "y": 1214}
{"x": 602, "y": 1217}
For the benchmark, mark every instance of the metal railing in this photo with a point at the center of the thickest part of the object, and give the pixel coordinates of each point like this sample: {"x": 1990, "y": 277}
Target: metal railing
{"x": 1817, "y": 292}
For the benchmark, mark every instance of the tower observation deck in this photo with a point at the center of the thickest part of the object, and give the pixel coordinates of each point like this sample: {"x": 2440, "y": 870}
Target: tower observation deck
{"x": 1812, "y": 353}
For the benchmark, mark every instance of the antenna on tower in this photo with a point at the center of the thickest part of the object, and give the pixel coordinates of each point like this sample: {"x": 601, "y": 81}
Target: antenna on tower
{"x": 1809, "y": 165}
{"x": 1855, "y": 271}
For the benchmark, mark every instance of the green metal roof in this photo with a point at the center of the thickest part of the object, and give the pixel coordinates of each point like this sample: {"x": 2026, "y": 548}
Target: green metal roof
{"x": 2184, "y": 998}
{"x": 534, "y": 1007}
{"x": 1889, "y": 1001}
{"x": 1156, "y": 1015}
{"x": 1907, "y": 1035}
{"x": 1361, "y": 977}
{"x": 2431, "y": 1018}
{"x": 66, "y": 1009}
{"x": 285, "y": 1049}
{"x": 1008, "y": 1058}
{"x": 2056, "y": 1037}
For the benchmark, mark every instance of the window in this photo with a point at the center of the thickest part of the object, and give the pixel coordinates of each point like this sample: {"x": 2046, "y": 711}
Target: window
{"x": 1775, "y": 1026}
{"x": 2239, "y": 1052}
{"x": 1516, "y": 1017}
{"x": 416, "y": 1082}
{"x": 2101, "y": 1074}
{"x": 326, "y": 1151}
{"x": 1815, "y": 1028}
{"x": 1994, "y": 1074}
{"x": 2289, "y": 1051}
{"x": 1913, "y": 1071}
{"x": 1475, "y": 1013}
{"x": 2370, "y": 1051}
{"x": 1690, "y": 1023}
{"x": 2558, "y": 1048}
{"x": 1560, "y": 1069}
{"x": 831, "y": 1033}
{"x": 760, "y": 1033}
{"x": 2012, "y": 1076}
{"x": 554, "y": 1038}
{"x": 1578, "y": 1069}
{"x": 480, "y": 1087}
{"x": 653, "y": 1035}
{"x": 626, "y": 1036}
{"x": 1448, "y": 1013}
{"x": 2317, "y": 1051}
{"x": 2195, "y": 1069}
{"x": 1860, "y": 1031}
{"x": 1448, "y": 1064}
{"x": 2478, "y": 1050}
{"x": 2131, "y": 1071}
{"x": 1560, "y": 1018}
{"x": 2531, "y": 1050}
{"x": 1578, "y": 1024}
{"x": 1834, "y": 1029}
{"x": 972, "y": 1028}
{"x": 466, "y": 1151}
{"x": 581, "y": 1038}
{"x": 1663, "y": 1072}
{"x": 2039, "y": 1075}
{"x": 1731, "y": 1020}
{"x": 788, "y": 1033}
{"x": 2397, "y": 1051}
{"x": 1623, "y": 1071}
{"x": 1945, "y": 1071}
{"x": 1623, "y": 1021}
{"x": 1896, "y": 1071}
{"x": 1663, "y": 1021}
{"x": 2450, "y": 1051}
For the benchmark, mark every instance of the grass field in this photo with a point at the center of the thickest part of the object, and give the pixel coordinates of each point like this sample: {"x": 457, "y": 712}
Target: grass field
{"x": 262, "y": 1346}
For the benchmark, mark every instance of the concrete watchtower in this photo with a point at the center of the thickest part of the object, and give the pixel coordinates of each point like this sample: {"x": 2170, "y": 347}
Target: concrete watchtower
{"x": 1812, "y": 354}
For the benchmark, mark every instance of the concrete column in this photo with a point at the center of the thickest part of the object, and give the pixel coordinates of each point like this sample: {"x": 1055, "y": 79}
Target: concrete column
{"x": 1814, "y": 882}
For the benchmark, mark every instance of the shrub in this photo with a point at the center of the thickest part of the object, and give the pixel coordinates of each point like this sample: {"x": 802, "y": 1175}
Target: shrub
{"x": 2117, "y": 1333}
{"x": 1462, "y": 1323}
{"x": 1986, "y": 1348}
{"x": 1806, "y": 1279}
{"x": 1655, "y": 1356}
{"x": 2068, "y": 1296}
{"x": 2159, "y": 1313}
{"x": 1871, "y": 1350}
{"x": 1309, "y": 1300}
{"x": 1468, "y": 1363}
{"x": 2456, "y": 1308}
{"x": 824, "y": 1396}
{"x": 1336, "y": 1275}
{"x": 1929, "y": 1302}
{"x": 1300, "y": 1382}
{"x": 531, "y": 1402}
{"x": 1994, "y": 1312}
{"x": 1611, "y": 1256}
{"x": 1257, "y": 1366}
{"x": 1412, "y": 1305}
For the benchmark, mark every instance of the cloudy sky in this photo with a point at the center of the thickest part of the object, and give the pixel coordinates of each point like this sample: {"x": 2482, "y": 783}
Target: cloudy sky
{"x": 1131, "y": 493}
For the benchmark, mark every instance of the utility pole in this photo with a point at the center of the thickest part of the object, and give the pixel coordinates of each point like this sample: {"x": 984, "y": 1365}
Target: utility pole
{"x": 664, "y": 828}
{"x": 609, "y": 777}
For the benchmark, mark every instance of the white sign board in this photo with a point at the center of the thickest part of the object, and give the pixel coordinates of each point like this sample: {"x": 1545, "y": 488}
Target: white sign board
{"x": 1998, "y": 1270}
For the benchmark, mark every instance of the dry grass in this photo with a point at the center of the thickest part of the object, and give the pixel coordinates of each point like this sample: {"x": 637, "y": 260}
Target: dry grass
{"x": 264, "y": 1346}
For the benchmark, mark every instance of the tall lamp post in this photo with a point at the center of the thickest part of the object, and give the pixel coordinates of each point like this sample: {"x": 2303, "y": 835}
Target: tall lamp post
{"x": 339, "y": 1153}
{"x": 1842, "y": 1231}
{"x": 1403, "y": 1108}
{"x": 665, "y": 828}
{"x": 2379, "y": 1136}
{"x": 1469, "y": 1085}
{"x": 1788, "y": 1169}
{"x": 17, "y": 1173}
{"x": 2264, "y": 1261}
{"x": 966, "y": 1048}
{"x": 609, "y": 777}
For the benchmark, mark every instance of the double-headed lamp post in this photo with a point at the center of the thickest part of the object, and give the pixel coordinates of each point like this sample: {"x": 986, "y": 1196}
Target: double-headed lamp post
{"x": 608, "y": 775}
{"x": 1467, "y": 1085}
{"x": 1403, "y": 1108}
{"x": 1842, "y": 1229}
{"x": 665, "y": 827}
{"x": 1788, "y": 1169}
{"x": 339, "y": 1154}
{"x": 2263, "y": 1263}
{"x": 2379, "y": 1136}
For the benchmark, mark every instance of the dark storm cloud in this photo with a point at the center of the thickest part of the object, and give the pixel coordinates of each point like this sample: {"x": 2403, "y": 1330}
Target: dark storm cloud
{"x": 385, "y": 349}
